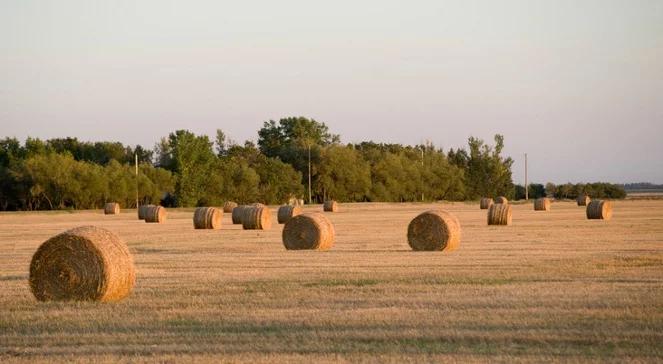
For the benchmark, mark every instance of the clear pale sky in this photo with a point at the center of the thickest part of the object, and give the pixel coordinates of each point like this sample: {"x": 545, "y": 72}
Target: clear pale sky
{"x": 578, "y": 85}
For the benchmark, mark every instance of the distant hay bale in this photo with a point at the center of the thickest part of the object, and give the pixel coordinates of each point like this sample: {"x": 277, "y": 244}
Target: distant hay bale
{"x": 112, "y": 208}
{"x": 207, "y": 218}
{"x": 501, "y": 200}
{"x": 311, "y": 231}
{"x": 542, "y": 204}
{"x": 237, "y": 214}
{"x": 155, "y": 214}
{"x": 485, "y": 203}
{"x": 330, "y": 206}
{"x": 286, "y": 212}
{"x": 257, "y": 204}
{"x": 499, "y": 214}
{"x": 434, "y": 230}
{"x": 142, "y": 211}
{"x": 599, "y": 209}
{"x": 228, "y": 206}
{"x": 583, "y": 200}
{"x": 300, "y": 202}
{"x": 86, "y": 263}
{"x": 256, "y": 218}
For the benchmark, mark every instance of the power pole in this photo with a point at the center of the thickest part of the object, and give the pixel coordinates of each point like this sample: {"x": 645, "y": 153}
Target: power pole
{"x": 422, "y": 174}
{"x": 310, "y": 199}
{"x": 526, "y": 187}
{"x": 136, "y": 156}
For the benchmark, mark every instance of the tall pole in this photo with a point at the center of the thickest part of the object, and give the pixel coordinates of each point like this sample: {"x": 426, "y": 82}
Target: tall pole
{"x": 526, "y": 187}
{"x": 310, "y": 199}
{"x": 136, "y": 157}
{"x": 422, "y": 174}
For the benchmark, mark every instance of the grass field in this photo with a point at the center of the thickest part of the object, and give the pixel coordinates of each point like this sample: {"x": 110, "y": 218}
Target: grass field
{"x": 551, "y": 287}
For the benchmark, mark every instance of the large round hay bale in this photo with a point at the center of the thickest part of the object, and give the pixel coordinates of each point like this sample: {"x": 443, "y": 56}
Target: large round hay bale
{"x": 434, "y": 230}
{"x": 501, "y": 200}
{"x": 155, "y": 214}
{"x": 485, "y": 203}
{"x": 256, "y": 218}
{"x": 238, "y": 213}
{"x": 499, "y": 214}
{"x": 583, "y": 200}
{"x": 599, "y": 209}
{"x": 286, "y": 212}
{"x": 311, "y": 231}
{"x": 542, "y": 204}
{"x": 82, "y": 264}
{"x": 330, "y": 206}
{"x": 228, "y": 206}
{"x": 142, "y": 211}
{"x": 207, "y": 218}
{"x": 112, "y": 208}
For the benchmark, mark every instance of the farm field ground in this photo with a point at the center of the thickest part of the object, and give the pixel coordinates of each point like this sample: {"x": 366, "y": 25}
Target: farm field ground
{"x": 551, "y": 287}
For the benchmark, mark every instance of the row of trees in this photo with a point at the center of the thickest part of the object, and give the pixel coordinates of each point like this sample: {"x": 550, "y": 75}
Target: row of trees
{"x": 292, "y": 157}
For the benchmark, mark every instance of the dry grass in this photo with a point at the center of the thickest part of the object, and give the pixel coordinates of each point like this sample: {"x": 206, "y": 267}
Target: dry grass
{"x": 551, "y": 287}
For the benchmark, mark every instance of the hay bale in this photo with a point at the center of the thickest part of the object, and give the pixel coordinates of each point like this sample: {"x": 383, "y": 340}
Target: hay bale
{"x": 311, "y": 231}
{"x": 499, "y": 214}
{"x": 485, "y": 203}
{"x": 207, "y": 218}
{"x": 542, "y": 204}
{"x": 238, "y": 213}
{"x": 583, "y": 200}
{"x": 286, "y": 212}
{"x": 82, "y": 264}
{"x": 434, "y": 230}
{"x": 300, "y": 202}
{"x": 599, "y": 209}
{"x": 256, "y": 218}
{"x": 142, "y": 211}
{"x": 228, "y": 206}
{"x": 330, "y": 206}
{"x": 502, "y": 200}
{"x": 155, "y": 214}
{"x": 112, "y": 208}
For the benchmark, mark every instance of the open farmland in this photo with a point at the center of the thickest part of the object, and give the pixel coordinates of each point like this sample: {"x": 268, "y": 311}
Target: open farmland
{"x": 554, "y": 286}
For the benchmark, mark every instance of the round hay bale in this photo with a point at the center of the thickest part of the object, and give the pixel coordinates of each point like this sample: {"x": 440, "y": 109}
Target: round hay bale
{"x": 485, "y": 203}
{"x": 228, "y": 206}
{"x": 599, "y": 209}
{"x": 86, "y": 263}
{"x": 238, "y": 213}
{"x": 499, "y": 214}
{"x": 542, "y": 204}
{"x": 207, "y": 218}
{"x": 257, "y": 204}
{"x": 286, "y": 212}
{"x": 434, "y": 230}
{"x": 155, "y": 214}
{"x": 502, "y": 200}
{"x": 583, "y": 200}
{"x": 112, "y": 208}
{"x": 142, "y": 211}
{"x": 330, "y": 206}
{"x": 311, "y": 231}
{"x": 256, "y": 218}
{"x": 300, "y": 202}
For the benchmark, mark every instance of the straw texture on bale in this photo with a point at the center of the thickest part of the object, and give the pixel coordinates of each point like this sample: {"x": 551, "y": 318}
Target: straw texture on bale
{"x": 86, "y": 263}
{"x": 207, "y": 218}
{"x": 499, "y": 214}
{"x": 485, "y": 203}
{"x": 311, "y": 231}
{"x": 112, "y": 208}
{"x": 434, "y": 230}
{"x": 501, "y": 200}
{"x": 256, "y": 218}
{"x": 238, "y": 213}
{"x": 286, "y": 212}
{"x": 155, "y": 214}
{"x": 542, "y": 204}
{"x": 142, "y": 211}
{"x": 228, "y": 206}
{"x": 330, "y": 206}
{"x": 583, "y": 200}
{"x": 599, "y": 209}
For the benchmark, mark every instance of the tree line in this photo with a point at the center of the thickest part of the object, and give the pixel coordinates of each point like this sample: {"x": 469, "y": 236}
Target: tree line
{"x": 292, "y": 157}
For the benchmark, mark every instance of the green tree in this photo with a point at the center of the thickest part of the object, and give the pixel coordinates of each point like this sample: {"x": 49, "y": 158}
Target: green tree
{"x": 343, "y": 174}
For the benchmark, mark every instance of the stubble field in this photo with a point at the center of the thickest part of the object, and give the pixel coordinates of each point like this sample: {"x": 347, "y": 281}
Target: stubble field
{"x": 551, "y": 287}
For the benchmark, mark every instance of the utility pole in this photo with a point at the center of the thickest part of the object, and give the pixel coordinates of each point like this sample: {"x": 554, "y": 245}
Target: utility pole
{"x": 422, "y": 173}
{"x": 136, "y": 156}
{"x": 310, "y": 199}
{"x": 526, "y": 187}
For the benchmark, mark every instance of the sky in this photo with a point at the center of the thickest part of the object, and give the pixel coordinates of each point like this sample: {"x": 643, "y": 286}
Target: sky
{"x": 577, "y": 85}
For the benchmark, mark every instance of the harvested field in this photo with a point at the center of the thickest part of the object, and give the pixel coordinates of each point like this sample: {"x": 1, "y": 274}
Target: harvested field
{"x": 550, "y": 287}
